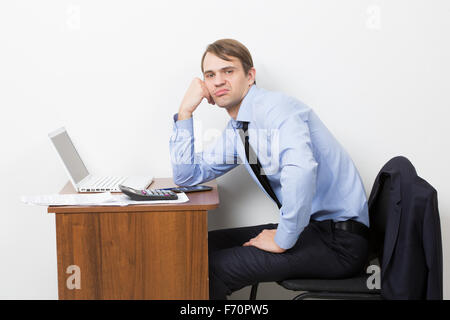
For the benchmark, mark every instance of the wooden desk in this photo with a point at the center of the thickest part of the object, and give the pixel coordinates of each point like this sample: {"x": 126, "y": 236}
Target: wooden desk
{"x": 136, "y": 252}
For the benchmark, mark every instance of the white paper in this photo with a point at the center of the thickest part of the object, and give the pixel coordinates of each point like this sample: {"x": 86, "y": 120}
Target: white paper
{"x": 68, "y": 199}
{"x": 94, "y": 199}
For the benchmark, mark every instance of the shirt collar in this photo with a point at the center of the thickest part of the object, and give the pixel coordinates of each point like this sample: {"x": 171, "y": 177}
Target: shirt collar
{"x": 245, "y": 112}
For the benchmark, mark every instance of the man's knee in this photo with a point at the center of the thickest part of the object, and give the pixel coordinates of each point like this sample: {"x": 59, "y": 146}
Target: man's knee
{"x": 217, "y": 263}
{"x": 236, "y": 267}
{"x": 214, "y": 241}
{"x": 219, "y": 284}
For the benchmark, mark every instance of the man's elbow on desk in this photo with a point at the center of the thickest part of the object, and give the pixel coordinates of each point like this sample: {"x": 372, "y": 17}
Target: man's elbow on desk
{"x": 181, "y": 181}
{"x": 183, "y": 178}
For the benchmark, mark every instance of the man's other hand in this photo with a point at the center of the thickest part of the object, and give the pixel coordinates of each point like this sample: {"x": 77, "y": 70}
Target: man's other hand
{"x": 265, "y": 241}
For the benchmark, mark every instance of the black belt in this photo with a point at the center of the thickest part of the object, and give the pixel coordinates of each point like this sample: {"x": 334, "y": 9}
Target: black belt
{"x": 354, "y": 227}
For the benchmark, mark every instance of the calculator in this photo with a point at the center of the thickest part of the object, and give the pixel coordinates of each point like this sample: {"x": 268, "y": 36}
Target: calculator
{"x": 148, "y": 194}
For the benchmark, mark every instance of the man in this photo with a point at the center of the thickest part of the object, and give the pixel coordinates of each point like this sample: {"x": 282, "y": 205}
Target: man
{"x": 324, "y": 221}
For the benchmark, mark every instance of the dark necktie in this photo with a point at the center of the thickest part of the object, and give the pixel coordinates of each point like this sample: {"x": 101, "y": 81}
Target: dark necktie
{"x": 255, "y": 164}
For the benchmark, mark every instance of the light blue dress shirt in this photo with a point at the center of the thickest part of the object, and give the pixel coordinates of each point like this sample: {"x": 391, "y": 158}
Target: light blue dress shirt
{"x": 311, "y": 174}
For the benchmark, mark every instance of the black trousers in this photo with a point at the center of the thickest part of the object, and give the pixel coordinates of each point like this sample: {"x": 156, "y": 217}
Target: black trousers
{"x": 320, "y": 252}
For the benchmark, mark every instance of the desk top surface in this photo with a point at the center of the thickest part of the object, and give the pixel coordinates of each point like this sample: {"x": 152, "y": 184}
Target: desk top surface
{"x": 205, "y": 200}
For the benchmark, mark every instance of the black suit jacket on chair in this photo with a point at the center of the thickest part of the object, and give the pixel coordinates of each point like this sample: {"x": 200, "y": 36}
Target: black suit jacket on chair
{"x": 410, "y": 249}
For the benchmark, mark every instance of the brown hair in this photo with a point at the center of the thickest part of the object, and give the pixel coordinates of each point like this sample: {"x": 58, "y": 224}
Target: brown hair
{"x": 230, "y": 47}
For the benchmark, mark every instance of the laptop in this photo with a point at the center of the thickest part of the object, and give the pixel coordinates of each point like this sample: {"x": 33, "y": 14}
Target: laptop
{"x": 79, "y": 175}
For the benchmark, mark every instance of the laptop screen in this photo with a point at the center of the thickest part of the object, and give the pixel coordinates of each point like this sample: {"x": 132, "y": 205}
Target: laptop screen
{"x": 69, "y": 156}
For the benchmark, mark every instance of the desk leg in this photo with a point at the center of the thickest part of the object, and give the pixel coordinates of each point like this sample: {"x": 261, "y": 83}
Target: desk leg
{"x": 133, "y": 255}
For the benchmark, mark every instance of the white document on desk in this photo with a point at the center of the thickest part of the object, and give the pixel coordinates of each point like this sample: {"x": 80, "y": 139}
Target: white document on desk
{"x": 68, "y": 199}
{"x": 94, "y": 199}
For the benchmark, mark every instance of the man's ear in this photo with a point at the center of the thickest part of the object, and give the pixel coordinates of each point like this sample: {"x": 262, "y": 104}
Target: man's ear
{"x": 252, "y": 75}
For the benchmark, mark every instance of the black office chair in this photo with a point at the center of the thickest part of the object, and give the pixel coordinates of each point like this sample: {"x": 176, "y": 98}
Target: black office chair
{"x": 354, "y": 288}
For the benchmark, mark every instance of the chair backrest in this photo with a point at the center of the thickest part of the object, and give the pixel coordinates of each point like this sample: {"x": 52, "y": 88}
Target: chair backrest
{"x": 378, "y": 216}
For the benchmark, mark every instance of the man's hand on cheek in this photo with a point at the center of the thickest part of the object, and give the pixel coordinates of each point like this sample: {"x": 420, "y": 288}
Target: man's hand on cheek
{"x": 265, "y": 241}
{"x": 194, "y": 95}
{"x": 211, "y": 100}
{"x": 209, "y": 96}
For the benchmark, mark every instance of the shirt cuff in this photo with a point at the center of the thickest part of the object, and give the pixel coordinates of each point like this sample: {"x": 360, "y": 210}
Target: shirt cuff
{"x": 182, "y": 129}
{"x": 284, "y": 238}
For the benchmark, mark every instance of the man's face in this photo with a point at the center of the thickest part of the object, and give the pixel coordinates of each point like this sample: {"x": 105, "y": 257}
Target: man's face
{"x": 226, "y": 81}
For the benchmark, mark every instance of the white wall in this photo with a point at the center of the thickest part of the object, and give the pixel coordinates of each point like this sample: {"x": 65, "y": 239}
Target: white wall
{"x": 113, "y": 72}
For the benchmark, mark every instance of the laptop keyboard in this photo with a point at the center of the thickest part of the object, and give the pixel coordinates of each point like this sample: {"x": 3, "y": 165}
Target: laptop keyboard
{"x": 106, "y": 183}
